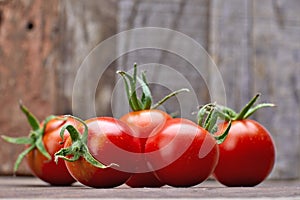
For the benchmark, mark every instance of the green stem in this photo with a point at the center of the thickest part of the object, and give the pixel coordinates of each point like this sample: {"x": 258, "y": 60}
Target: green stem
{"x": 226, "y": 113}
{"x": 40, "y": 146}
{"x": 35, "y": 137}
{"x": 22, "y": 156}
{"x": 130, "y": 88}
{"x": 209, "y": 113}
{"x": 244, "y": 110}
{"x": 78, "y": 147}
{"x": 146, "y": 99}
{"x": 259, "y": 106}
{"x": 32, "y": 120}
{"x": 145, "y": 102}
{"x": 207, "y": 118}
{"x": 18, "y": 140}
{"x": 169, "y": 96}
{"x": 221, "y": 138}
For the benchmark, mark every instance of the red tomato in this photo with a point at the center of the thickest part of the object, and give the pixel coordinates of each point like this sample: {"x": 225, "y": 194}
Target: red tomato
{"x": 145, "y": 120}
{"x": 109, "y": 141}
{"x": 45, "y": 169}
{"x": 182, "y": 154}
{"x": 144, "y": 123}
{"x": 247, "y": 155}
{"x": 42, "y": 143}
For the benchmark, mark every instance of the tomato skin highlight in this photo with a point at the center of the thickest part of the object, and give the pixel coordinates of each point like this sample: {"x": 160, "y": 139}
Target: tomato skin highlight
{"x": 247, "y": 155}
{"x": 182, "y": 153}
{"x": 109, "y": 141}
{"x": 48, "y": 170}
{"x": 143, "y": 124}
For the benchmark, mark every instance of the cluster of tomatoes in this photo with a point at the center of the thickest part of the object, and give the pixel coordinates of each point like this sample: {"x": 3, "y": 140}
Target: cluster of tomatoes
{"x": 149, "y": 148}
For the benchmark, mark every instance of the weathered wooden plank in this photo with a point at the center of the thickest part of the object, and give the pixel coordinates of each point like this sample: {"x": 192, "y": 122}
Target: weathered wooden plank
{"x": 84, "y": 26}
{"x": 28, "y": 188}
{"x": 230, "y": 48}
{"x": 256, "y": 46}
{"x": 162, "y": 65}
{"x": 42, "y": 47}
{"x": 276, "y": 66}
{"x": 28, "y": 37}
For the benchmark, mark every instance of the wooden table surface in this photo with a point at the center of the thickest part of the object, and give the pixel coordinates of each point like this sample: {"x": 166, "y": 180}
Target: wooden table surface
{"x": 32, "y": 188}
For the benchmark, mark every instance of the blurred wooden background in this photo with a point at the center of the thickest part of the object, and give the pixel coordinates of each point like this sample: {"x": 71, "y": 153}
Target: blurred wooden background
{"x": 255, "y": 45}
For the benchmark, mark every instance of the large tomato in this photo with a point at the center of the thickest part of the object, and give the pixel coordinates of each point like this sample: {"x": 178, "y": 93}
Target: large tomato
{"x": 143, "y": 123}
{"x": 144, "y": 120}
{"x": 182, "y": 154}
{"x": 45, "y": 169}
{"x": 108, "y": 142}
{"x": 41, "y": 145}
{"x": 247, "y": 155}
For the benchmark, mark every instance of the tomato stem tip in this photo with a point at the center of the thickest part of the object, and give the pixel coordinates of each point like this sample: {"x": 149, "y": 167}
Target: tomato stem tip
{"x": 208, "y": 115}
{"x": 33, "y": 140}
{"x": 78, "y": 148}
{"x": 145, "y": 101}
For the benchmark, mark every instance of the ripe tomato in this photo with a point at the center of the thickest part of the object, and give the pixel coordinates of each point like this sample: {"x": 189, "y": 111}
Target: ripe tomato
{"x": 108, "y": 141}
{"x": 145, "y": 120}
{"x": 247, "y": 155}
{"x": 143, "y": 123}
{"x": 43, "y": 142}
{"x": 182, "y": 154}
{"x": 45, "y": 169}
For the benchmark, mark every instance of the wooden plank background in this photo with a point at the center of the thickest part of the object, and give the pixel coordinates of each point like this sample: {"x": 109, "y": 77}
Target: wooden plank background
{"x": 255, "y": 45}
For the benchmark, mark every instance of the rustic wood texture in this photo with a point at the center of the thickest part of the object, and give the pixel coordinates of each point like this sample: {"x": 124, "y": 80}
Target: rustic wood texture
{"x": 41, "y": 48}
{"x": 32, "y": 188}
{"x": 276, "y": 74}
{"x": 255, "y": 45}
{"x": 28, "y": 56}
{"x": 174, "y": 15}
{"x": 84, "y": 26}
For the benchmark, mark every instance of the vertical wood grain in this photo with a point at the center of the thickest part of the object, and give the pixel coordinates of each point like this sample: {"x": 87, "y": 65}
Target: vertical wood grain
{"x": 28, "y": 39}
{"x": 187, "y": 17}
{"x": 276, "y": 36}
{"x": 84, "y": 26}
{"x": 42, "y": 45}
{"x": 230, "y": 47}
{"x": 256, "y": 47}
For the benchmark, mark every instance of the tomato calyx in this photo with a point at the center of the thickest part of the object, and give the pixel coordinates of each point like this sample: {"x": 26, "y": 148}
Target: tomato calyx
{"x": 78, "y": 147}
{"x": 248, "y": 110}
{"x": 145, "y": 101}
{"x": 229, "y": 114}
{"x": 208, "y": 116}
{"x": 35, "y": 137}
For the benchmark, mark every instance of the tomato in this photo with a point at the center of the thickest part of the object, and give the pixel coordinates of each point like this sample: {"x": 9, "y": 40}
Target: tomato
{"x": 144, "y": 120}
{"x": 109, "y": 141}
{"x": 43, "y": 142}
{"x": 49, "y": 171}
{"x": 247, "y": 155}
{"x": 144, "y": 123}
{"x": 182, "y": 154}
